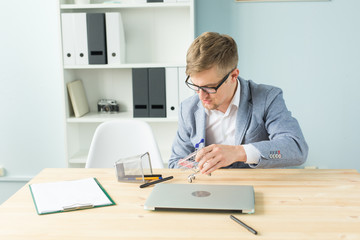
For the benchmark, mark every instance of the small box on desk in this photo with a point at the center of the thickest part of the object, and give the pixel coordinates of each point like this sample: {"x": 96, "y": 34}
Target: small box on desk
{"x": 134, "y": 169}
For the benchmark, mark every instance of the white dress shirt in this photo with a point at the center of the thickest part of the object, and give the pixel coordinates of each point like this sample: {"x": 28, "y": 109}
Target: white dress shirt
{"x": 220, "y": 128}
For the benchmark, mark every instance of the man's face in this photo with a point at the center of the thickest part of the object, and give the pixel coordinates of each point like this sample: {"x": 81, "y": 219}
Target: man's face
{"x": 211, "y": 78}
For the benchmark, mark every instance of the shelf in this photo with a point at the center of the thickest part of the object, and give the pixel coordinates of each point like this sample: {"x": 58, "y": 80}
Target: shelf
{"x": 94, "y": 117}
{"x": 15, "y": 179}
{"x": 124, "y": 5}
{"x": 79, "y": 157}
{"x": 124, "y": 66}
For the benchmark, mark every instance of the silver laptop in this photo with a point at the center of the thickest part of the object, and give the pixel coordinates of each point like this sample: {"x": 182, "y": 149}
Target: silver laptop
{"x": 167, "y": 196}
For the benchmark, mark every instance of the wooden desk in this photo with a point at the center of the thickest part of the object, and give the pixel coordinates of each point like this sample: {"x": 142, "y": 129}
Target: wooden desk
{"x": 290, "y": 204}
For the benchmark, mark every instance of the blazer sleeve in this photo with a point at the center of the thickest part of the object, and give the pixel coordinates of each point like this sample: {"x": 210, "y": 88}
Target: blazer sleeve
{"x": 182, "y": 143}
{"x": 286, "y": 145}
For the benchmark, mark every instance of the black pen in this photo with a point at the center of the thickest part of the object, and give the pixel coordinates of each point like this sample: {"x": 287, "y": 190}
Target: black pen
{"x": 156, "y": 181}
{"x": 243, "y": 224}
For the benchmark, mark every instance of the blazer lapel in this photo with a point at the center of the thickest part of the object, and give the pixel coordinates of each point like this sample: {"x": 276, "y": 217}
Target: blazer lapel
{"x": 244, "y": 112}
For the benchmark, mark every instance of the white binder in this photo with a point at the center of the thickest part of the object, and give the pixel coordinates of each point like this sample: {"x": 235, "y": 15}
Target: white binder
{"x": 115, "y": 38}
{"x": 68, "y": 38}
{"x": 81, "y": 45}
{"x": 172, "y": 92}
{"x": 184, "y": 91}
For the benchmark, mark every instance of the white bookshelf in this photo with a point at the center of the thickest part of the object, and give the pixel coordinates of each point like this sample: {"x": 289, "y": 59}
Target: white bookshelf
{"x": 124, "y": 66}
{"x": 95, "y": 117}
{"x": 157, "y": 35}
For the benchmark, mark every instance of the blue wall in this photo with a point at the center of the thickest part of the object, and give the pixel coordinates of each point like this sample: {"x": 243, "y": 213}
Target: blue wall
{"x": 312, "y": 51}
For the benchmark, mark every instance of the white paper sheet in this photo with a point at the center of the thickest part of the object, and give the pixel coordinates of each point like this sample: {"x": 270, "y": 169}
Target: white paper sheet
{"x": 57, "y": 196}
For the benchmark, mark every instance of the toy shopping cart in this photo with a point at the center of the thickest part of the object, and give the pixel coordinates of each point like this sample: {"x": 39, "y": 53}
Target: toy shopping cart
{"x": 189, "y": 163}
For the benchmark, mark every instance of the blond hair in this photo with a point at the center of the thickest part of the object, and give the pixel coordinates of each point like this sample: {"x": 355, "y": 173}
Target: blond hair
{"x": 211, "y": 49}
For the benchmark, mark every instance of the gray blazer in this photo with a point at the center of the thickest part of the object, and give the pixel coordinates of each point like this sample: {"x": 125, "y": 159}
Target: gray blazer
{"x": 262, "y": 120}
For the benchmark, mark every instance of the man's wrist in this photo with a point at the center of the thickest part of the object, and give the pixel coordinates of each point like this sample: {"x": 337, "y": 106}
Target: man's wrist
{"x": 241, "y": 156}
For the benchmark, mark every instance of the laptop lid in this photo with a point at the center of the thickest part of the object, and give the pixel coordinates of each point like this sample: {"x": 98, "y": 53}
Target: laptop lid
{"x": 166, "y": 196}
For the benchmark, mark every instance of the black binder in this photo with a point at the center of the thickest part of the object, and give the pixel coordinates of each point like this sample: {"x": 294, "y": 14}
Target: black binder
{"x": 96, "y": 36}
{"x": 140, "y": 84}
{"x": 157, "y": 92}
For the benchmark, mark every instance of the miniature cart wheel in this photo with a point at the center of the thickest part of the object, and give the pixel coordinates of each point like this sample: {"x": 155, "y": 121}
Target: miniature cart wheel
{"x": 189, "y": 179}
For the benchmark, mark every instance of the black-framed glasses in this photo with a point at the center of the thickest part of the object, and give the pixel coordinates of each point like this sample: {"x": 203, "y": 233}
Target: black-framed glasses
{"x": 210, "y": 90}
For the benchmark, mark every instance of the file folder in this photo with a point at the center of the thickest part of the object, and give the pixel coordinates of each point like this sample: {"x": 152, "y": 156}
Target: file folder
{"x": 172, "y": 92}
{"x": 140, "y": 84}
{"x": 96, "y": 36}
{"x": 115, "y": 38}
{"x": 68, "y": 37}
{"x": 157, "y": 92}
{"x": 81, "y": 46}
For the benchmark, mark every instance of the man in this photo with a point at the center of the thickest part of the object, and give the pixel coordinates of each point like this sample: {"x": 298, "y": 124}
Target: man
{"x": 244, "y": 124}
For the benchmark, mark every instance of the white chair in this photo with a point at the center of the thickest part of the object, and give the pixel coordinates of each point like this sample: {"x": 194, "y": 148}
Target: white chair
{"x": 120, "y": 139}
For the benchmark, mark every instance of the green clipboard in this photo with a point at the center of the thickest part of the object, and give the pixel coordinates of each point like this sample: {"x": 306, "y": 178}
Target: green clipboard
{"x": 63, "y": 196}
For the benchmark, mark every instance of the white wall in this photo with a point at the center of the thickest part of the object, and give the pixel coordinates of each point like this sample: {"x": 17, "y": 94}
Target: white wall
{"x": 312, "y": 51}
{"x": 32, "y": 130}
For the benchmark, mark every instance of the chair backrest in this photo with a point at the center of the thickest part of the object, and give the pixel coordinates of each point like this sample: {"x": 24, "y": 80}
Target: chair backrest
{"x": 120, "y": 139}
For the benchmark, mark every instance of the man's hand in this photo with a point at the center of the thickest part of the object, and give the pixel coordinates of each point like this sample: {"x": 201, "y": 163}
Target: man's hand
{"x": 216, "y": 156}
